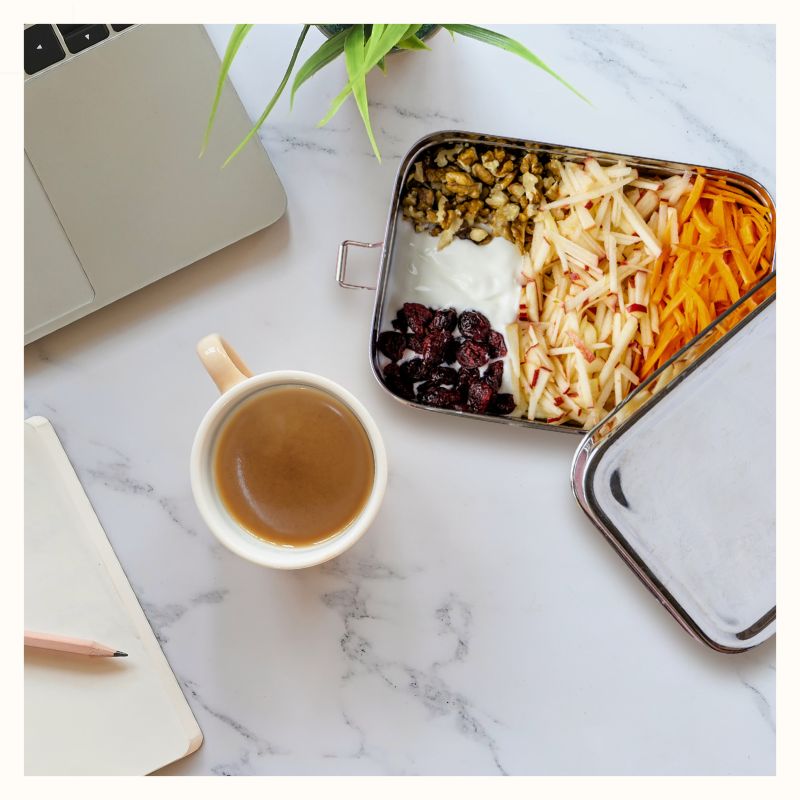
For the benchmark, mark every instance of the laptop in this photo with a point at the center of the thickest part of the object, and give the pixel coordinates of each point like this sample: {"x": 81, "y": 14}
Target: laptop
{"x": 116, "y": 196}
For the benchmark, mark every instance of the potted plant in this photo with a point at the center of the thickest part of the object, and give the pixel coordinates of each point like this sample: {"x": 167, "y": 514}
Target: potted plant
{"x": 365, "y": 47}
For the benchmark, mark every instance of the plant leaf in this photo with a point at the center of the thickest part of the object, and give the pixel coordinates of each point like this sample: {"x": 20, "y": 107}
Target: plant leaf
{"x": 412, "y": 42}
{"x": 382, "y": 66}
{"x": 326, "y": 53}
{"x": 512, "y": 46}
{"x": 238, "y": 35}
{"x": 278, "y": 92}
{"x": 354, "y": 53}
{"x": 372, "y": 39}
{"x": 383, "y": 39}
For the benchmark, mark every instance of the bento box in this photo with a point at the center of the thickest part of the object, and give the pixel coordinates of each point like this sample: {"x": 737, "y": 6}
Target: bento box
{"x": 613, "y": 296}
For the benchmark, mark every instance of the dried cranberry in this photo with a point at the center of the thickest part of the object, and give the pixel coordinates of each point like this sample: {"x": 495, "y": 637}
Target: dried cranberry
{"x": 497, "y": 344}
{"x": 444, "y": 319}
{"x": 396, "y": 383}
{"x": 451, "y": 350}
{"x": 439, "y": 397}
{"x": 392, "y": 344}
{"x": 414, "y": 342}
{"x": 472, "y": 354}
{"x": 400, "y": 323}
{"x": 474, "y": 325}
{"x": 466, "y": 377}
{"x": 444, "y": 376}
{"x": 418, "y": 316}
{"x": 502, "y": 404}
{"x": 494, "y": 374}
{"x": 391, "y": 369}
{"x": 479, "y": 397}
{"x": 415, "y": 370}
{"x": 433, "y": 346}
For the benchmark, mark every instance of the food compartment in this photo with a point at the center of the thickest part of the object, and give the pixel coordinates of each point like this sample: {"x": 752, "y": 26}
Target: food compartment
{"x": 540, "y": 285}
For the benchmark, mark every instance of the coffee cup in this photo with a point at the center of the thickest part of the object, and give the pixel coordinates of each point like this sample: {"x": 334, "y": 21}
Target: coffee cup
{"x": 237, "y": 385}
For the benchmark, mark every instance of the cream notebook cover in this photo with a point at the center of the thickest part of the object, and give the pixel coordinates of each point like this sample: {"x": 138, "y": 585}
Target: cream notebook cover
{"x": 89, "y": 716}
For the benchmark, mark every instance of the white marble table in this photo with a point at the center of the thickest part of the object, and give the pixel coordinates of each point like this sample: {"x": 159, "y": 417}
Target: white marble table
{"x": 482, "y": 626}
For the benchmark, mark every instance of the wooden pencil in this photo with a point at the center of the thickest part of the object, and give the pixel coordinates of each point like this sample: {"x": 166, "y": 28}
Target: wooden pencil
{"x": 68, "y": 644}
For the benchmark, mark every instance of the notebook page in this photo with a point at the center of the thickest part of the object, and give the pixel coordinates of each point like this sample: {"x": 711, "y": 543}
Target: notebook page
{"x": 105, "y": 716}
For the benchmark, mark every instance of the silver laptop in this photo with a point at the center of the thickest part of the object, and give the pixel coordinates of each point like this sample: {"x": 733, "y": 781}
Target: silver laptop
{"x": 115, "y": 194}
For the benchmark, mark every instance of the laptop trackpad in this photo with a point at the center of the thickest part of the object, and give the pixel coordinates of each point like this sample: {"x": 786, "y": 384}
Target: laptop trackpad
{"x": 55, "y": 283}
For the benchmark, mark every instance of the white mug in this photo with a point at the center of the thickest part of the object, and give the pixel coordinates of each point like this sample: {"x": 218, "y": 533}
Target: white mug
{"x": 236, "y": 382}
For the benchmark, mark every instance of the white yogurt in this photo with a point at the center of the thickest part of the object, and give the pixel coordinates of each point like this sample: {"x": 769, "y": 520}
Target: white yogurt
{"x": 460, "y": 276}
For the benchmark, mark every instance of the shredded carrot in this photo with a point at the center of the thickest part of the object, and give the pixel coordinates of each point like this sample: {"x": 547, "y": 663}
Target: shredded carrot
{"x": 755, "y": 254}
{"x": 703, "y": 223}
{"x": 726, "y": 243}
{"x": 694, "y": 196}
{"x": 668, "y": 333}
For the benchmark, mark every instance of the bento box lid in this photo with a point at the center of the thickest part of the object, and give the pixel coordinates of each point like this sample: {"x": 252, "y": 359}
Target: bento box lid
{"x": 680, "y": 478}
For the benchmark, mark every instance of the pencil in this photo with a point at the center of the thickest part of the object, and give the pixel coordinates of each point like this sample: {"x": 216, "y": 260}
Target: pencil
{"x": 67, "y": 644}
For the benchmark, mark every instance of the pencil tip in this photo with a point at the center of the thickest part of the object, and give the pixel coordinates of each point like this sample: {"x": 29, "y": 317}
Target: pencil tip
{"x": 119, "y": 653}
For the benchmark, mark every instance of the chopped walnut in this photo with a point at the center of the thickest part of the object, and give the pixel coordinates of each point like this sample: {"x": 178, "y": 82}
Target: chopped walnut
{"x": 426, "y": 198}
{"x": 449, "y": 232}
{"x": 490, "y": 162}
{"x": 442, "y": 210}
{"x": 506, "y": 169}
{"x": 478, "y": 234}
{"x": 467, "y": 158}
{"x": 477, "y": 193}
{"x": 469, "y": 210}
{"x": 529, "y": 181}
{"x": 506, "y": 180}
{"x": 497, "y": 199}
{"x": 444, "y": 157}
{"x": 461, "y": 183}
{"x": 509, "y": 212}
{"x": 483, "y": 174}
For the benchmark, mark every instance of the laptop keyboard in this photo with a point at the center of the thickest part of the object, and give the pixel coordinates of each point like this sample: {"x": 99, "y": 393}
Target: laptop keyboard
{"x": 79, "y": 37}
{"x": 43, "y": 47}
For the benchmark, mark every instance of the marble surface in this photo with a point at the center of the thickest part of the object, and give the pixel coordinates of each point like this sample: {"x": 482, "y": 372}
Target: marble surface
{"x": 482, "y": 626}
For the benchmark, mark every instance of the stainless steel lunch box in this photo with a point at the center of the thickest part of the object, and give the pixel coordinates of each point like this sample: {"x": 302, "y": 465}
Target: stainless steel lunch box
{"x": 709, "y": 558}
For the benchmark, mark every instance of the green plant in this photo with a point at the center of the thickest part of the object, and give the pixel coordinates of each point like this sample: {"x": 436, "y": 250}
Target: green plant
{"x": 365, "y": 47}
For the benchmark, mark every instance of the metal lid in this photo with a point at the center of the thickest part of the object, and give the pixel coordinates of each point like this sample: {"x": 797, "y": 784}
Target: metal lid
{"x": 680, "y": 478}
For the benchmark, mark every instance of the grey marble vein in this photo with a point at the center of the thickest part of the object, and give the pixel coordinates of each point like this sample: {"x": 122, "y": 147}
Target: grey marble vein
{"x": 424, "y": 684}
{"x": 162, "y": 616}
{"x": 418, "y": 115}
{"x": 117, "y": 475}
{"x": 610, "y": 53}
{"x": 455, "y": 618}
{"x": 259, "y": 745}
{"x": 292, "y": 142}
{"x": 765, "y": 707}
{"x": 239, "y": 767}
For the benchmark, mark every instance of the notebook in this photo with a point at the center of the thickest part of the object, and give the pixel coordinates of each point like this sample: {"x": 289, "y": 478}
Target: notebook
{"x": 89, "y": 716}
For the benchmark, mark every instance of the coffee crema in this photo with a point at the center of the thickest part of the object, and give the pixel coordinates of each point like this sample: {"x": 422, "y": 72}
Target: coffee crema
{"x": 293, "y": 465}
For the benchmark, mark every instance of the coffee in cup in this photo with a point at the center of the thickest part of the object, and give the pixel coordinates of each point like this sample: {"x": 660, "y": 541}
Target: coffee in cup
{"x": 288, "y": 469}
{"x": 293, "y": 465}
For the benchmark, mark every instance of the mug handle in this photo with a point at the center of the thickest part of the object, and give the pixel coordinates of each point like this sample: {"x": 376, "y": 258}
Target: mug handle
{"x": 222, "y": 362}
